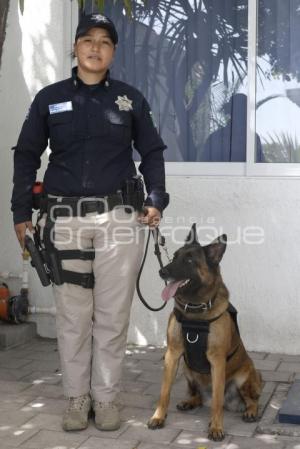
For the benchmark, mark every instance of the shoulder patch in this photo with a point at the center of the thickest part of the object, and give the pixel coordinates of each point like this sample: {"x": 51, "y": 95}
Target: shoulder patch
{"x": 152, "y": 118}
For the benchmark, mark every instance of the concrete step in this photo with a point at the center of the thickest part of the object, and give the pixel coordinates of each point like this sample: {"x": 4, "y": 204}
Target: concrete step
{"x": 12, "y": 335}
{"x": 290, "y": 411}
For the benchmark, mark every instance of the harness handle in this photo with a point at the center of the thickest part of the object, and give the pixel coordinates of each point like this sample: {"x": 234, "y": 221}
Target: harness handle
{"x": 158, "y": 240}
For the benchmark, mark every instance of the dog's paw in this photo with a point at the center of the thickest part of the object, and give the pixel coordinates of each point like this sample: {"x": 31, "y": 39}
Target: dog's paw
{"x": 249, "y": 417}
{"x": 216, "y": 433}
{"x": 183, "y": 406}
{"x": 155, "y": 423}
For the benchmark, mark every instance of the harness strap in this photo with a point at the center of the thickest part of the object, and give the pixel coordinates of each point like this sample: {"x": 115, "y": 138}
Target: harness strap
{"x": 233, "y": 313}
{"x": 69, "y": 254}
{"x": 233, "y": 352}
{"x": 85, "y": 280}
{"x": 195, "y": 336}
{"x": 53, "y": 259}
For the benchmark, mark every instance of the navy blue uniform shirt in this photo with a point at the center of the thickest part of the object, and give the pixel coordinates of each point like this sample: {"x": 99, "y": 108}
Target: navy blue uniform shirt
{"x": 91, "y": 130}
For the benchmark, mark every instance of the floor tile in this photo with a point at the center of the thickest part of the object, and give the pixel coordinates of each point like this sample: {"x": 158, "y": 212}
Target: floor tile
{"x": 46, "y": 439}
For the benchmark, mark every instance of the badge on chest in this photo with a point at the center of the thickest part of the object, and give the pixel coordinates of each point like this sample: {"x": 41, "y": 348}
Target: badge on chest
{"x": 60, "y": 107}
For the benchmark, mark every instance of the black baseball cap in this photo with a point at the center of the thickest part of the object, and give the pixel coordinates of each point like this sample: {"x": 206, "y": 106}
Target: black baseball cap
{"x": 96, "y": 20}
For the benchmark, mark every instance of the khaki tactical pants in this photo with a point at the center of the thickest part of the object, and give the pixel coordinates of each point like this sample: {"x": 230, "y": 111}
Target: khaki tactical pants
{"x": 92, "y": 324}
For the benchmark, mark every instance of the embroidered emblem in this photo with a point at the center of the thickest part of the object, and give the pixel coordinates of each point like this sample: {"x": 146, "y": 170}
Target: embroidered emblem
{"x": 60, "y": 107}
{"x": 99, "y": 18}
{"x": 124, "y": 103}
{"x": 152, "y": 118}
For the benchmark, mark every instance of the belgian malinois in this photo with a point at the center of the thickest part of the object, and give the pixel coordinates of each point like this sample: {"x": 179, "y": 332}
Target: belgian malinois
{"x": 196, "y": 284}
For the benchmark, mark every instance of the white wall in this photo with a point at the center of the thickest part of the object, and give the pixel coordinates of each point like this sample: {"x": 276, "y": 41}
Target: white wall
{"x": 261, "y": 264}
{"x": 36, "y": 53}
{"x": 262, "y": 276}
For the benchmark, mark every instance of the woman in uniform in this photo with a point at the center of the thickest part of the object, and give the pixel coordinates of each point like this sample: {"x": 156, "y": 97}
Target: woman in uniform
{"x": 94, "y": 242}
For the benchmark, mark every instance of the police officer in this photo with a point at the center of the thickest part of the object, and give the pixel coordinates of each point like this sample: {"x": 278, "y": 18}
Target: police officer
{"x": 91, "y": 121}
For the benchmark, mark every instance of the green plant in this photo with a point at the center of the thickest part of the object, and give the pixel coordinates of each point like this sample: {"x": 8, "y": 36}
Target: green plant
{"x": 281, "y": 147}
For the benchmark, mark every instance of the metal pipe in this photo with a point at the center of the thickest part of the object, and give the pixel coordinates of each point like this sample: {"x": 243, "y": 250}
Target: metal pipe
{"x": 10, "y": 275}
{"x": 43, "y": 310}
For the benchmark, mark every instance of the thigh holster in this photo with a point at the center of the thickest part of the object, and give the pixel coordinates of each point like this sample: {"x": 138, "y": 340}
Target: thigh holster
{"x": 54, "y": 259}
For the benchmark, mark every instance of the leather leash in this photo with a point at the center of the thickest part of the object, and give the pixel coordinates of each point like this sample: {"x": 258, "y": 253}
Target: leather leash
{"x": 159, "y": 240}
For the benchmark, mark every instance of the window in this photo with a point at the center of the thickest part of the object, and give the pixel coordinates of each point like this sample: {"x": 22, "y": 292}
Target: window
{"x": 218, "y": 110}
{"x": 278, "y": 73}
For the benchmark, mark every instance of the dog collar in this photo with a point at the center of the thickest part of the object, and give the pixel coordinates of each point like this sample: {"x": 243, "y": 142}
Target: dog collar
{"x": 196, "y": 308}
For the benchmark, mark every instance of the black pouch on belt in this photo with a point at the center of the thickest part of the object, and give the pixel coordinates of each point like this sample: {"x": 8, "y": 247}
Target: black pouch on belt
{"x": 133, "y": 192}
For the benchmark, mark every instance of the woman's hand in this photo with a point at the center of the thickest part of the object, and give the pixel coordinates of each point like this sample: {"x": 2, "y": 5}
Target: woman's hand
{"x": 150, "y": 216}
{"x": 20, "y": 230}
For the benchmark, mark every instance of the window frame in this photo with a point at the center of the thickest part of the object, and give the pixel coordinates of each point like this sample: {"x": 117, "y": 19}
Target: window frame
{"x": 267, "y": 169}
{"x": 250, "y": 168}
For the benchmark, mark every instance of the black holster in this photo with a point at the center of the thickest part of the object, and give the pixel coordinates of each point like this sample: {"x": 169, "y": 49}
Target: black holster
{"x": 45, "y": 260}
{"x": 38, "y": 261}
{"x": 133, "y": 192}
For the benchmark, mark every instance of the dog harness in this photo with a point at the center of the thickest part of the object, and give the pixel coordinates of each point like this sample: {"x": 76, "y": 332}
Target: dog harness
{"x": 195, "y": 335}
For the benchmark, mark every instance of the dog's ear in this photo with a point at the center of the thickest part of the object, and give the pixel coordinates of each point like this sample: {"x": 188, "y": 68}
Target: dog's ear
{"x": 215, "y": 250}
{"x": 192, "y": 237}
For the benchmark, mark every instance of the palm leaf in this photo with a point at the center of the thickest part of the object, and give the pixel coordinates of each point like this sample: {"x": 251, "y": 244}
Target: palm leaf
{"x": 281, "y": 147}
{"x": 268, "y": 98}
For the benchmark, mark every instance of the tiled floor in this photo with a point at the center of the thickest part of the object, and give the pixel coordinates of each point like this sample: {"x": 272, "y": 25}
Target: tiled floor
{"x": 32, "y": 403}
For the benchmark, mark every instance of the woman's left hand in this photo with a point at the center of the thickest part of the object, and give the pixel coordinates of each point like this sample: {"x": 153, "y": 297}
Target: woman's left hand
{"x": 150, "y": 216}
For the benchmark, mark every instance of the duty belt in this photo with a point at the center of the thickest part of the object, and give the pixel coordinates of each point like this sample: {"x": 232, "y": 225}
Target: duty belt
{"x": 72, "y": 207}
{"x": 80, "y": 206}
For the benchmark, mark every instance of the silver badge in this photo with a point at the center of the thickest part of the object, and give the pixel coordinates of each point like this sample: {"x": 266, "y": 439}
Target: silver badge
{"x": 124, "y": 103}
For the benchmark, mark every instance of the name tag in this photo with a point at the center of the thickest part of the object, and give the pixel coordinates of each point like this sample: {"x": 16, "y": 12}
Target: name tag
{"x": 60, "y": 107}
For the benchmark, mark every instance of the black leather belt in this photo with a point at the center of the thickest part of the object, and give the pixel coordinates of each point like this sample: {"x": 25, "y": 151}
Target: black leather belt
{"x": 80, "y": 206}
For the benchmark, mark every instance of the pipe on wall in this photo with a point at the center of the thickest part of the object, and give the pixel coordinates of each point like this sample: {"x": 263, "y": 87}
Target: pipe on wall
{"x": 10, "y": 275}
{"x": 32, "y": 310}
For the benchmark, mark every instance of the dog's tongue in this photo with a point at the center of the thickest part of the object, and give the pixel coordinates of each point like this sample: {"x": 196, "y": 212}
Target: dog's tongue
{"x": 170, "y": 290}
